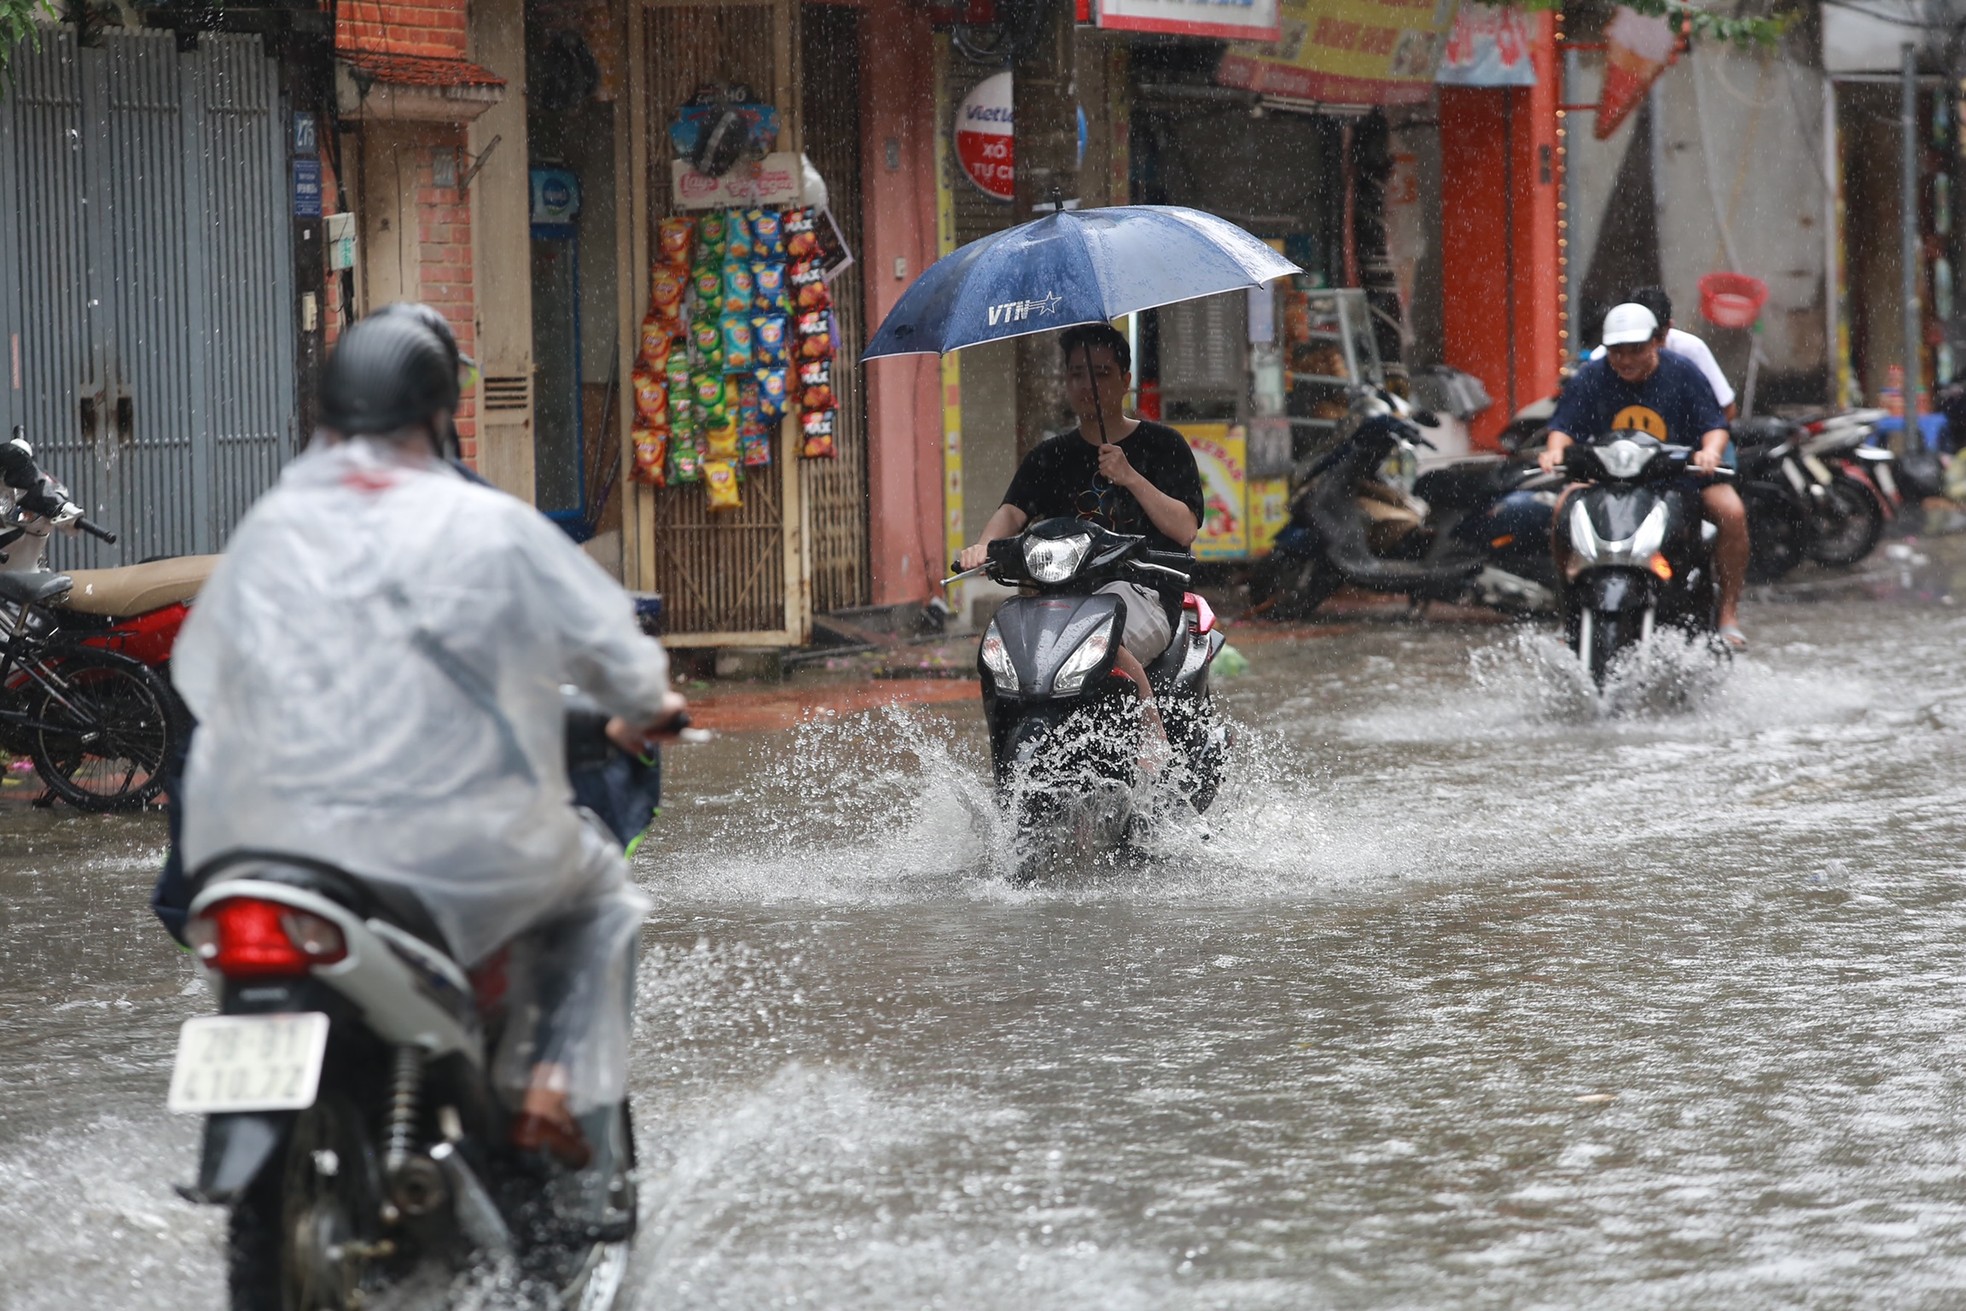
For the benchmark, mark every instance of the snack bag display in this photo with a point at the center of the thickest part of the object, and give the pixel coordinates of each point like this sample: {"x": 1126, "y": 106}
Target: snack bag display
{"x": 720, "y": 442}
{"x": 753, "y": 437}
{"x": 706, "y": 393}
{"x": 769, "y": 275}
{"x": 657, "y": 337}
{"x": 814, "y": 330}
{"x": 685, "y": 460}
{"x": 720, "y": 478}
{"x": 708, "y": 283}
{"x": 739, "y": 352}
{"x": 807, "y": 281}
{"x": 817, "y": 397}
{"x": 651, "y": 398}
{"x": 816, "y": 428}
{"x": 712, "y": 231}
{"x": 739, "y": 289}
{"x": 737, "y": 236}
{"x": 801, "y": 234}
{"x": 706, "y": 340}
{"x": 772, "y": 391}
{"x": 651, "y": 456}
{"x": 667, "y": 287}
{"x": 674, "y": 238}
{"x": 768, "y": 334}
{"x": 767, "y": 228}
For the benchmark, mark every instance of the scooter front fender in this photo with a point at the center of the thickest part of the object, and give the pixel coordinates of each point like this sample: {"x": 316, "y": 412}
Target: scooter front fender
{"x": 1612, "y": 589}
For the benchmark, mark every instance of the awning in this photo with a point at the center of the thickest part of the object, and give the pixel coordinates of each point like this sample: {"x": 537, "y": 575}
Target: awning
{"x": 374, "y": 85}
{"x": 1346, "y": 52}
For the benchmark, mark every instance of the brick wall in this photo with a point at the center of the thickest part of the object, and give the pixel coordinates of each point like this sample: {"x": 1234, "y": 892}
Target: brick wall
{"x": 444, "y": 264}
{"x": 431, "y": 27}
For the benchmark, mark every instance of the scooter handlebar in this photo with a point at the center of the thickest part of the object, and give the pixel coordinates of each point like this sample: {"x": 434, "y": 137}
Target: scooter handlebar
{"x": 101, "y": 534}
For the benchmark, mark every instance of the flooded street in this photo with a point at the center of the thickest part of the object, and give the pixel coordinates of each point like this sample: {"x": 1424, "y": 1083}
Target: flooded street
{"x": 1467, "y": 994}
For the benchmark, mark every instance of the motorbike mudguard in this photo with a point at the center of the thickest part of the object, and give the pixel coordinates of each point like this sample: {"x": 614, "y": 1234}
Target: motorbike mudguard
{"x": 237, "y": 1147}
{"x": 1613, "y": 589}
{"x": 240, "y": 1145}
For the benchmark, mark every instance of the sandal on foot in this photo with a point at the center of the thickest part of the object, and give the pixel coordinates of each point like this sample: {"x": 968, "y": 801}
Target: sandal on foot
{"x": 1732, "y": 635}
{"x": 561, "y": 1140}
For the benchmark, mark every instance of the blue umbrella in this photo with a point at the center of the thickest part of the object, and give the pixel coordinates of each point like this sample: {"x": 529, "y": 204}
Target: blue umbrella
{"x": 1075, "y": 266}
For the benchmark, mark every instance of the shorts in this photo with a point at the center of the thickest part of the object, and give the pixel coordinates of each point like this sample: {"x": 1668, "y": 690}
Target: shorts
{"x": 1147, "y": 630}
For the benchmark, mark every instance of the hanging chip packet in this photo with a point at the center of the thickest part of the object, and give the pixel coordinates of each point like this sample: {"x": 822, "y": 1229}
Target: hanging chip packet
{"x": 651, "y": 456}
{"x": 720, "y": 479}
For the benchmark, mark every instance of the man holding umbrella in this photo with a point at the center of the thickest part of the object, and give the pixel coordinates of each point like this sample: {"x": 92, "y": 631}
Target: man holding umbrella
{"x": 1121, "y": 472}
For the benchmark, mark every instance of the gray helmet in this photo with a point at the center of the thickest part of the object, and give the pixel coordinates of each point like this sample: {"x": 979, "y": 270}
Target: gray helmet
{"x": 387, "y": 372}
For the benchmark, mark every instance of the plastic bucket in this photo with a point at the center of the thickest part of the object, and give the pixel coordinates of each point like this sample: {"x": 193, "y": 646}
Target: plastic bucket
{"x": 1732, "y": 300}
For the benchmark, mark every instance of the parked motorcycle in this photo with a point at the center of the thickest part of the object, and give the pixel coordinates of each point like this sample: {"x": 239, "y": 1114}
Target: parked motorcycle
{"x": 1841, "y": 518}
{"x": 1640, "y": 554}
{"x": 1774, "y": 489}
{"x": 1898, "y": 484}
{"x": 1065, "y": 733}
{"x": 1477, "y": 529}
{"x": 352, "y": 1122}
{"x": 99, "y": 725}
{"x": 135, "y": 610}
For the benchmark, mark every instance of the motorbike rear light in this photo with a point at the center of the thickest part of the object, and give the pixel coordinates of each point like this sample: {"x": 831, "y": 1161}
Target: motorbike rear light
{"x": 1497, "y": 543}
{"x": 246, "y": 938}
{"x": 1662, "y": 567}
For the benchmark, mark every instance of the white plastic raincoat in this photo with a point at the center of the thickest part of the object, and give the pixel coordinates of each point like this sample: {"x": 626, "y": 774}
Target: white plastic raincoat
{"x": 376, "y": 668}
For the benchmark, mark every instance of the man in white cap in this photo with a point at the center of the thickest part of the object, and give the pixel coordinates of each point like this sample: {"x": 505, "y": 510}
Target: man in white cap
{"x": 1682, "y": 343}
{"x": 1638, "y": 385}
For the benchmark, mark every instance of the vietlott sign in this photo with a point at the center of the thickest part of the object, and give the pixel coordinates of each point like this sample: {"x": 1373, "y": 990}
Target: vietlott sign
{"x": 985, "y": 132}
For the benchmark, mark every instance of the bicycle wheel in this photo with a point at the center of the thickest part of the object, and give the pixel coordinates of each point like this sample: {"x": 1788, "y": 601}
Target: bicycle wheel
{"x": 105, "y": 731}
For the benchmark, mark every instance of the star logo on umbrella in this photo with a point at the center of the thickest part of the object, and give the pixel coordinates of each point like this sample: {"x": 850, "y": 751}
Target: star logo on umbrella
{"x": 1016, "y": 311}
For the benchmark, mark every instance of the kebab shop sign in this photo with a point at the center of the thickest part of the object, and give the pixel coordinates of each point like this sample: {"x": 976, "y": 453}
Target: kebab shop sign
{"x": 986, "y": 137}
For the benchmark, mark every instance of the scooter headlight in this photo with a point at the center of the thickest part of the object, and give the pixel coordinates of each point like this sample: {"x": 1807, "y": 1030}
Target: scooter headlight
{"x": 1090, "y": 656}
{"x": 1055, "y": 559}
{"x": 997, "y": 660}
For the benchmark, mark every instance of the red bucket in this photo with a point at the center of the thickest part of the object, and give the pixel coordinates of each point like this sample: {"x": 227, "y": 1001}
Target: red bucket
{"x": 1732, "y": 300}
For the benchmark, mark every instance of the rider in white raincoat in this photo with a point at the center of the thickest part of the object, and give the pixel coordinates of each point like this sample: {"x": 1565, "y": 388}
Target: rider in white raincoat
{"x": 376, "y": 666}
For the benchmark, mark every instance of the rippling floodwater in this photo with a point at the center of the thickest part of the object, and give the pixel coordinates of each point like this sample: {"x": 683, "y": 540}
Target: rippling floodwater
{"x": 1468, "y": 994}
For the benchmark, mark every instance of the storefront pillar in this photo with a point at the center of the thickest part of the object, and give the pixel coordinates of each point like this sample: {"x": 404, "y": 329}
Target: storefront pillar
{"x": 904, "y": 455}
{"x": 1500, "y": 280}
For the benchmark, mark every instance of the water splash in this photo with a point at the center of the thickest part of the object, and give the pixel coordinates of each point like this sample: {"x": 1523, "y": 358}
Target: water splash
{"x": 899, "y": 806}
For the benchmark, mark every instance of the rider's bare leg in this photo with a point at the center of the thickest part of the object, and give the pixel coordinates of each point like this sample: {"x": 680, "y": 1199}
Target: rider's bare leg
{"x": 1129, "y": 664}
{"x": 1722, "y": 507}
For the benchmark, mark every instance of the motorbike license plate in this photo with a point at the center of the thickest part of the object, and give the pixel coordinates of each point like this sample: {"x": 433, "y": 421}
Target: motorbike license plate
{"x": 229, "y": 1063}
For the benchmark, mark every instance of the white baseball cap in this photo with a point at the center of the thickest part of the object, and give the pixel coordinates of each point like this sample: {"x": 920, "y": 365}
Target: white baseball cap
{"x": 1628, "y": 323}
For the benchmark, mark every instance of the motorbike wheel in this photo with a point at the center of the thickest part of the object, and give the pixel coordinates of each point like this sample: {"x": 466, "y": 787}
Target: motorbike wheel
{"x": 1601, "y": 637}
{"x": 1846, "y": 525}
{"x": 289, "y": 1237}
{"x": 1291, "y": 586}
{"x": 116, "y": 730}
{"x": 1775, "y": 534}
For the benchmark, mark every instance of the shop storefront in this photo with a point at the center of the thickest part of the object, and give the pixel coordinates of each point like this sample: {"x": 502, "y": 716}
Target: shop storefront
{"x": 745, "y": 215}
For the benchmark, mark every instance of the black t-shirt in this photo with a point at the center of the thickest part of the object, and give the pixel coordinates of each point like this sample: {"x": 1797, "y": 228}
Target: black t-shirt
{"x": 1061, "y": 477}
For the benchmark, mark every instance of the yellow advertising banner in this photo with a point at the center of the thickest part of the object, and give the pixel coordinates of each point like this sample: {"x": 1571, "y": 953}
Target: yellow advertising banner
{"x": 1269, "y": 513}
{"x": 1346, "y": 52}
{"x": 1221, "y": 453}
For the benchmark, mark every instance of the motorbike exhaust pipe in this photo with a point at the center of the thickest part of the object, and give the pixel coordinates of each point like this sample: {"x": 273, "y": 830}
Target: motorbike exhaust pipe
{"x": 477, "y": 1214}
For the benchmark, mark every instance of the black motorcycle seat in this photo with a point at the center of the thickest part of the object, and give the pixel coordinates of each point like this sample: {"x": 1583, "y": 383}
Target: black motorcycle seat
{"x": 1465, "y": 486}
{"x": 369, "y": 898}
{"x": 37, "y": 588}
